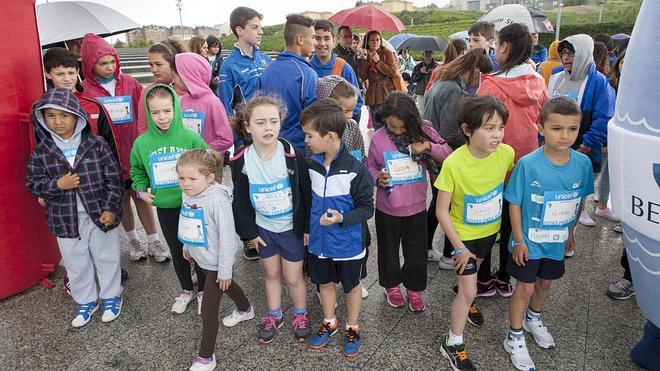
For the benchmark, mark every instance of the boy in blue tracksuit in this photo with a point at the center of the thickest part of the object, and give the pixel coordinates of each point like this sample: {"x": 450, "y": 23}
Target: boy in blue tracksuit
{"x": 325, "y": 62}
{"x": 291, "y": 78}
{"x": 342, "y": 202}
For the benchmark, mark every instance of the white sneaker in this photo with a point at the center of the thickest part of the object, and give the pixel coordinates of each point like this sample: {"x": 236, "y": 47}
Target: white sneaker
{"x": 517, "y": 349}
{"x": 434, "y": 256}
{"x": 181, "y": 302}
{"x": 365, "y": 292}
{"x": 446, "y": 263}
{"x": 201, "y": 364}
{"x": 158, "y": 251}
{"x": 200, "y": 297}
{"x": 541, "y": 335}
{"x": 585, "y": 219}
{"x": 607, "y": 214}
{"x": 136, "y": 251}
{"x": 237, "y": 317}
{"x": 111, "y": 309}
{"x": 84, "y": 313}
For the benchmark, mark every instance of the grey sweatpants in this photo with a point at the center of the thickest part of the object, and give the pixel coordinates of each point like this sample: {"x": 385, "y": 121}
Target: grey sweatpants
{"x": 94, "y": 249}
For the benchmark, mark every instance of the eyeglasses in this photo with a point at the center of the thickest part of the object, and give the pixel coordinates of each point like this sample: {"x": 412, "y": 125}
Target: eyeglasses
{"x": 567, "y": 52}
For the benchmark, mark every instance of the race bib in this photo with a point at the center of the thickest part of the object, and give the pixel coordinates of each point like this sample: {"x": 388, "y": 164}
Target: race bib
{"x": 120, "y": 108}
{"x": 192, "y": 229}
{"x": 194, "y": 121}
{"x": 272, "y": 200}
{"x": 560, "y": 208}
{"x": 539, "y": 235}
{"x": 70, "y": 154}
{"x": 163, "y": 169}
{"x": 402, "y": 168}
{"x": 484, "y": 209}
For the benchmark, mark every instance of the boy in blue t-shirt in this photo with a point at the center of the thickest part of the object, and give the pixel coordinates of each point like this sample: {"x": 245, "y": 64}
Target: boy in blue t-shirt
{"x": 544, "y": 192}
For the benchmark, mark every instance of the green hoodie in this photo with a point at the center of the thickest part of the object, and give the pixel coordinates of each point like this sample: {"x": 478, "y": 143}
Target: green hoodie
{"x": 155, "y": 151}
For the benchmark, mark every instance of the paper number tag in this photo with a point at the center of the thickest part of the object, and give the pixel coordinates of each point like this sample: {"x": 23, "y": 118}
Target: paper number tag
{"x": 484, "y": 209}
{"x": 402, "y": 168}
{"x": 272, "y": 200}
{"x": 120, "y": 108}
{"x": 560, "y": 208}
{"x": 192, "y": 229}
{"x": 163, "y": 169}
{"x": 194, "y": 121}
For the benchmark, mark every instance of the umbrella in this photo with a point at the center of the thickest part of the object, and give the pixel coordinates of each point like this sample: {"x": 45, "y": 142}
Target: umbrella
{"x": 369, "y": 17}
{"x": 67, "y": 20}
{"x": 396, "y": 40}
{"x": 460, "y": 35}
{"x": 533, "y": 18}
{"x": 424, "y": 43}
{"x": 620, "y": 36}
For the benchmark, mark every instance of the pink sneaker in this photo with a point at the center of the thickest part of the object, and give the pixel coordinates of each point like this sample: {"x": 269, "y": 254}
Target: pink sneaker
{"x": 394, "y": 297}
{"x": 416, "y": 301}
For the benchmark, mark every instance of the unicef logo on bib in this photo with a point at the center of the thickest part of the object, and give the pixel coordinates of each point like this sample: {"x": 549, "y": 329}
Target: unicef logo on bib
{"x": 163, "y": 169}
{"x": 272, "y": 200}
{"x": 483, "y": 209}
{"x": 192, "y": 229}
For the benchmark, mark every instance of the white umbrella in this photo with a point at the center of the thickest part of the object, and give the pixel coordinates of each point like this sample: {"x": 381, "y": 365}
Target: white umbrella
{"x": 533, "y": 18}
{"x": 67, "y": 20}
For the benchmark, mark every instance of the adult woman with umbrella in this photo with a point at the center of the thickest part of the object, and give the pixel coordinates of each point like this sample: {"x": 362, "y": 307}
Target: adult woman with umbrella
{"x": 378, "y": 70}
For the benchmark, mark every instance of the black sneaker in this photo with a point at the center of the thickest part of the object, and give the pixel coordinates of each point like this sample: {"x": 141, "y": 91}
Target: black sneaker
{"x": 484, "y": 290}
{"x": 249, "y": 251}
{"x": 457, "y": 356}
{"x": 124, "y": 275}
{"x": 474, "y": 316}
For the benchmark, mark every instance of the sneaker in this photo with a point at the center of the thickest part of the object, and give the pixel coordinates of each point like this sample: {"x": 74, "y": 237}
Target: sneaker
{"x": 322, "y": 336}
{"x": 617, "y": 228}
{"x": 84, "y": 313}
{"x": 365, "y": 292}
{"x": 623, "y": 289}
{"x": 300, "y": 324}
{"x": 136, "y": 251}
{"x": 67, "y": 285}
{"x": 446, "y": 263}
{"x": 434, "y": 256}
{"x": 541, "y": 335}
{"x": 237, "y": 317}
{"x": 474, "y": 315}
{"x": 158, "y": 251}
{"x": 457, "y": 356}
{"x": 517, "y": 349}
{"x": 200, "y": 297}
{"x": 268, "y": 329}
{"x": 352, "y": 343}
{"x": 503, "y": 288}
{"x": 181, "y": 302}
{"x": 484, "y": 290}
{"x": 111, "y": 309}
{"x": 607, "y": 214}
{"x": 586, "y": 220}
{"x": 124, "y": 275}
{"x": 416, "y": 301}
{"x": 203, "y": 364}
{"x": 394, "y": 297}
{"x": 569, "y": 253}
{"x": 249, "y": 251}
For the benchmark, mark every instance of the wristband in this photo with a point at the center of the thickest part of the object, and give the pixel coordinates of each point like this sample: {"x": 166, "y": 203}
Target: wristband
{"x": 140, "y": 193}
{"x": 458, "y": 251}
{"x": 516, "y": 244}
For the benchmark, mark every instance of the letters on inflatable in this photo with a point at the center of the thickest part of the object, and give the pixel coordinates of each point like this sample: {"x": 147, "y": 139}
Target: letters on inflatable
{"x": 634, "y": 158}
{"x": 28, "y": 252}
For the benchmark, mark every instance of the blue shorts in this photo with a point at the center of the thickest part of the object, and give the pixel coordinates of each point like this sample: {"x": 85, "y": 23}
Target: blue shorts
{"x": 285, "y": 244}
{"x": 348, "y": 272}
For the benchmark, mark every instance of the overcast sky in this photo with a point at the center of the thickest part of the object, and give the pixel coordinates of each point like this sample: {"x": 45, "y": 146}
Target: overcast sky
{"x": 212, "y": 12}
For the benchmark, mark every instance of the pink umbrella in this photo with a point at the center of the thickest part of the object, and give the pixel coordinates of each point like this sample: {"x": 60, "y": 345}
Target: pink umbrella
{"x": 369, "y": 17}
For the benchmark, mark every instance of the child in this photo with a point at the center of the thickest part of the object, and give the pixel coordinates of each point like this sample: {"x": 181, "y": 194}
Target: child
{"x": 203, "y": 112}
{"x": 544, "y": 193}
{"x": 405, "y": 141}
{"x": 271, "y": 209}
{"x": 342, "y": 202}
{"x": 482, "y": 35}
{"x": 153, "y": 160}
{"x": 120, "y": 93}
{"x": 77, "y": 175}
{"x": 206, "y": 208}
{"x": 471, "y": 181}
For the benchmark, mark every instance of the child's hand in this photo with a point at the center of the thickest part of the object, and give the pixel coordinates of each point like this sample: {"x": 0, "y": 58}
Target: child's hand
{"x": 331, "y": 217}
{"x": 146, "y": 197}
{"x": 570, "y": 244}
{"x": 258, "y": 241}
{"x": 461, "y": 260}
{"x": 384, "y": 178}
{"x": 223, "y": 284}
{"x": 41, "y": 201}
{"x": 186, "y": 253}
{"x": 419, "y": 147}
{"x": 68, "y": 181}
{"x": 305, "y": 239}
{"x": 520, "y": 254}
{"x": 107, "y": 218}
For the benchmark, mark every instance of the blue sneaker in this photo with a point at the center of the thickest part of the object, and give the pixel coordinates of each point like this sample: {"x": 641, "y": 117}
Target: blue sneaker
{"x": 352, "y": 343}
{"x": 84, "y": 313}
{"x": 322, "y": 336}
{"x": 111, "y": 309}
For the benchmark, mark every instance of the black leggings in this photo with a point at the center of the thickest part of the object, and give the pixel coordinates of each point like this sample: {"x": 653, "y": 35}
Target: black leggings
{"x": 484, "y": 274}
{"x": 625, "y": 266}
{"x": 169, "y": 225}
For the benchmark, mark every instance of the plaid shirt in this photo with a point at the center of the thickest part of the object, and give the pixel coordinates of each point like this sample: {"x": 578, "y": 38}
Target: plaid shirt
{"x": 100, "y": 186}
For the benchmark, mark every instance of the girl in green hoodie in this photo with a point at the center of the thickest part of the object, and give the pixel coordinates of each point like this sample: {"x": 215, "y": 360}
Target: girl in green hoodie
{"x": 153, "y": 171}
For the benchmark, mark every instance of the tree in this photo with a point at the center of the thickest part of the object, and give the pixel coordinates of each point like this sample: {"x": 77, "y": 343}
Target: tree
{"x": 119, "y": 44}
{"x": 359, "y": 3}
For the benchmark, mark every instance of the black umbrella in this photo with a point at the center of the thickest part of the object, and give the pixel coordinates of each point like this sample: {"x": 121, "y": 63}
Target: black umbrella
{"x": 423, "y": 43}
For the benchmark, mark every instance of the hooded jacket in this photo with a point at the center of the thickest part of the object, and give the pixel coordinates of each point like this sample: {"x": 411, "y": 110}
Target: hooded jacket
{"x": 240, "y": 76}
{"x": 380, "y": 78}
{"x": 93, "y": 49}
{"x": 292, "y": 79}
{"x": 176, "y": 140}
{"x": 195, "y": 73}
{"x": 323, "y": 70}
{"x": 553, "y": 61}
{"x": 100, "y": 186}
{"x": 523, "y": 92}
{"x": 220, "y": 253}
{"x": 595, "y": 96}
{"x": 441, "y": 109}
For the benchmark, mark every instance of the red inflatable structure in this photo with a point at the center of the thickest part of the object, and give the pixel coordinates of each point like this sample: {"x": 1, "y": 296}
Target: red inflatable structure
{"x": 28, "y": 252}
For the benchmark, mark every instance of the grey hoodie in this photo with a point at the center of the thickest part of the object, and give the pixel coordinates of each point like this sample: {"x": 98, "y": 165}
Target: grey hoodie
{"x": 220, "y": 254}
{"x": 569, "y": 83}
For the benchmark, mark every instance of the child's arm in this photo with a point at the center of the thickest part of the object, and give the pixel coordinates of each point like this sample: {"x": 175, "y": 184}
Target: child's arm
{"x": 222, "y": 135}
{"x": 520, "y": 252}
{"x": 38, "y": 181}
{"x": 362, "y": 192}
{"x": 309, "y": 89}
{"x": 374, "y": 161}
{"x": 461, "y": 254}
{"x": 112, "y": 181}
{"x": 305, "y": 189}
{"x": 226, "y": 87}
{"x": 139, "y": 174}
{"x": 243, "y": 213}
{"x": 224, "y": 220}
{"x": 440, "y": 150}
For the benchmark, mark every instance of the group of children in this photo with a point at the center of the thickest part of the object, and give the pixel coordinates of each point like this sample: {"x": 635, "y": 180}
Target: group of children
{"x": 309, "y": 209}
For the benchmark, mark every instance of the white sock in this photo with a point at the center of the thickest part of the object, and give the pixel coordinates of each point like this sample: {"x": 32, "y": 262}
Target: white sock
{"x": 356, "y": 327}
{"x": 153, "y": 237}
{"x": 454, "y": 339}
{"x": 331, "y": 321}
{"x": 132, "y": 235}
